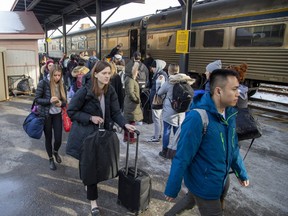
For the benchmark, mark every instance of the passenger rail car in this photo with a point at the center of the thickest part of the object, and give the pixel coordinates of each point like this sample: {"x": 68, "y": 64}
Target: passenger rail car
{"x": 234, "y": 31}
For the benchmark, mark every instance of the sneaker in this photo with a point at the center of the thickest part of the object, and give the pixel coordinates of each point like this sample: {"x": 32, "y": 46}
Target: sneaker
{"x": 153, "y": 139}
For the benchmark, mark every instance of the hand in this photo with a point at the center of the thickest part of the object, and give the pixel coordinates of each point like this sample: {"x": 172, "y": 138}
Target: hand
{"x": 58, "y": 103}
{"x": 244, "y": 183}
{"x": 130, "y": 128}
{"x": 97, "y": 119}
{"x": 169, "y": 199}
{"x": 54, "y": 99}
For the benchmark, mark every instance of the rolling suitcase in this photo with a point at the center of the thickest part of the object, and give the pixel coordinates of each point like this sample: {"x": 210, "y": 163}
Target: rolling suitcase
{"x": 134, "y": 186}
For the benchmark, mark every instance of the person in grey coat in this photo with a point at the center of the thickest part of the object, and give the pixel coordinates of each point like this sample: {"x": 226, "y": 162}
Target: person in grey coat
{"x": 171, "y": 119}
{"x": 94, "y": 104}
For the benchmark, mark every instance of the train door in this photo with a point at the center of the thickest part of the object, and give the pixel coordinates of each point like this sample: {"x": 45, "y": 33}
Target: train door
{"x": 133, "y": 41}
{"x": 143, "y": 41}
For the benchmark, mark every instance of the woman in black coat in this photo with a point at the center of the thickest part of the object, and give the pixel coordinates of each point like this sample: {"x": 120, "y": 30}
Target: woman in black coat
{"x": 95, "y": 103}
{"x": 51, "y": 96}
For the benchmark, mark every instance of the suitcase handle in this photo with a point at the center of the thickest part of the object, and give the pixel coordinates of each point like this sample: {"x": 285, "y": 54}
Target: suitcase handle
{"x": 136, "y": 154}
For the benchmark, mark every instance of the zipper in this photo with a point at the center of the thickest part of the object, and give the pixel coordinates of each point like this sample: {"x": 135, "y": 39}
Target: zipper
{"x": 223, "y": 142}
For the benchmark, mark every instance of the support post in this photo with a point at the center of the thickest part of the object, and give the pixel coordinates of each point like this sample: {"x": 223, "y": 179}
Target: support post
{"x": 186, "y": 25}
{"x": 64, "y": 35}
{"x": 98, "y": 28}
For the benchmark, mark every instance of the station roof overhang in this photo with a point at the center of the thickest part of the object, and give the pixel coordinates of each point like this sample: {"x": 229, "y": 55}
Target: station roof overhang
{"x": 50, "y": 12}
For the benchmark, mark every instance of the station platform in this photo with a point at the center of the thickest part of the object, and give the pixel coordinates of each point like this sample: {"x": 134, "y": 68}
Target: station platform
{"x": 29, "y": 187}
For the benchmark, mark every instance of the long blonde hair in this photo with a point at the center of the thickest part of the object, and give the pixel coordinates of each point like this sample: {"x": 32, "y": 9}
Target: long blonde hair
{"x": 99, "y": 66}
{"x": 57, "y": 68}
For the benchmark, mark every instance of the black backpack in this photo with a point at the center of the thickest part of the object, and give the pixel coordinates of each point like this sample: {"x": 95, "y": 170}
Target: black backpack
{"x": 182, "y": 96}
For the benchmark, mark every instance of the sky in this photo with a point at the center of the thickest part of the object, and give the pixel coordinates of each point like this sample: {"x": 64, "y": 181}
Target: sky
{"x": 125, "y": 12}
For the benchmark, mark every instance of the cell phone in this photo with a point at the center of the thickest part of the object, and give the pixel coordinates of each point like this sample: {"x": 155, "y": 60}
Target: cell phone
{"x": 55, "y": 102}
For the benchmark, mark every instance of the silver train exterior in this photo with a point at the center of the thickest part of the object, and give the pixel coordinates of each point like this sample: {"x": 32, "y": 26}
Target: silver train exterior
{"x": 235, "y": 31}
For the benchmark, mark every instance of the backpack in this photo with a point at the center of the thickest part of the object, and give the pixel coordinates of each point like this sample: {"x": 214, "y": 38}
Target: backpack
{"x": 181, "y": 97}
{"x": 173, "y": 145}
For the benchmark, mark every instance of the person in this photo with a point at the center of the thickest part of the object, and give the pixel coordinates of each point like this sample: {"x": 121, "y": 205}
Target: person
{"x": 45, "y": 69}
{"x": 132, "y": 109}
{"x": 115, "y": 50}
{"x": 204, "y": 160}
{"x": 148, "y": 62}
{"x": 116, "y": 82}
{"x": 143, "y": 74}
{"x": 77, "y": 73}
{"x": 50, "y": 95}
{"x": 159, "y": 78}
{"x": 209, "y": 69}
{"x": 171, "y": 119}
{"x": 243, "y": 97}
{"x": 94, "y": 104}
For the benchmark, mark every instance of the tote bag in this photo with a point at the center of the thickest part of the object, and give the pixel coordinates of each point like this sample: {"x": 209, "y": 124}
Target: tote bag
{"x": 34, "y": 125}
{"x": 157, "y": 102}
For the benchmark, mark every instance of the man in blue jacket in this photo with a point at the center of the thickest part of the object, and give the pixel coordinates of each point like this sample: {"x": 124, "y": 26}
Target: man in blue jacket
{"x": 204, "y": 159}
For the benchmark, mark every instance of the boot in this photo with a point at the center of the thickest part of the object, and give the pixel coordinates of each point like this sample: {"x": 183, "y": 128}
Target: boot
{"x": 57, "y": 157}
{"x": 163, "y": 153}
{"x": 52, "y": 164}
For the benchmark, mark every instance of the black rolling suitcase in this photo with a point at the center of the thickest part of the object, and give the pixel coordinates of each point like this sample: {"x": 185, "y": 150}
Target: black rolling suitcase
{"x": 134, "y": 186}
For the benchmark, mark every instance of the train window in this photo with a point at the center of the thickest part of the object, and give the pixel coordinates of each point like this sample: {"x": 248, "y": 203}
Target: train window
{"x": 81, "y": 45}
{"x": 192, "y": 39}
{"x": 256, "y": 36}
{"x": 213, "y": 38}
{"x": 91, "y": 44}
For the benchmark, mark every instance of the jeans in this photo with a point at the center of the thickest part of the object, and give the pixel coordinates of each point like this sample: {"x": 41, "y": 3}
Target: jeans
{"x": 166, "y": 133}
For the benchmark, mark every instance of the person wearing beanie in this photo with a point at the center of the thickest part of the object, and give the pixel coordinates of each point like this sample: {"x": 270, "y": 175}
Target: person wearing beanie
{"x": 45, "y": 69}
{"x": 209, "y": 69}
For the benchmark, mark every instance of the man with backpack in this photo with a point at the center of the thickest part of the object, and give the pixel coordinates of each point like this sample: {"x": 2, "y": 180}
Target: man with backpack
{"x": 204, "y": 160}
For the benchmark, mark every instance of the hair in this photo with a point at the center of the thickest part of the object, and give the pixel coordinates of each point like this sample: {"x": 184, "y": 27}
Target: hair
{"x": 120, "y": 52}
{"x": 219, "y": 78}
{"x": 57, "y": 68}
{"x": 173, "y": 69}
{"x": 98, "y": 67}
{"x": 137, "y": 56}
{"x": 120, "y": 45}
{"x": 135, "y": 69}
{"x": 240, "y": 69}
{"x": 113, "y": 68}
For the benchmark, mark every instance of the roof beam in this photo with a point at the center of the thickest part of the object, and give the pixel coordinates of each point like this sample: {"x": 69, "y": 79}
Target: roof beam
{"x": 33, "y": 4}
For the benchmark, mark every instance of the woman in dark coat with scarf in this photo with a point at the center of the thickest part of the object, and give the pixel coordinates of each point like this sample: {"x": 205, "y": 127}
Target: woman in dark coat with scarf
{"x": 95, "y": 103}
{"x": 51, "y": 96}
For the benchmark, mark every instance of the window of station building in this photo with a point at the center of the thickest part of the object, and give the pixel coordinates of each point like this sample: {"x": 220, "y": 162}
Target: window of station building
{"x": 91, "y": 44}
{"x": 260, "y": 36}
{"x": 192, "y": 39}
{"x": 214, "y": 38}
{"x": 81, "y": 45}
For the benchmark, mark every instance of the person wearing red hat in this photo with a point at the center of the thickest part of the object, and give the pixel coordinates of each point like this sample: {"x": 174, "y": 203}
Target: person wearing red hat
{"x": 45, "y": 69}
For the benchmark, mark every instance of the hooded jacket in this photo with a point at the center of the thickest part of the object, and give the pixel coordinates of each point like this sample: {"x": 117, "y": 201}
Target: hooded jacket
{"x": 205, "y": 160}
{"x": 160, "y": 65}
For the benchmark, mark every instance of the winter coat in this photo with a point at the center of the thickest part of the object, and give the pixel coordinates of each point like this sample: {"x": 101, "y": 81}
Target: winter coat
{"x": 205, "y": 160}
{"x": 82, "y": 106}
{"x": 132, "y": 109}
{"x": 169, "y": 114}
{"x": 160, "y": 65}
{"x": 243, "y": 98}
{"x": 117, "y": 84}
{"x": 43, "y": 97}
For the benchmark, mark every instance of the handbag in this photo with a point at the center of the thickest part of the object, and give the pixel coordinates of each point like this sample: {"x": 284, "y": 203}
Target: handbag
{"x": 34, "y": 124}
{"x": 157, "y": 102}
{"x": 247, "y": 127}
{"x": 67, "y": 123}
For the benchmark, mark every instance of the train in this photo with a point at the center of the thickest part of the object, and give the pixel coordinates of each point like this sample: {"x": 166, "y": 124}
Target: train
{"x": 234, "y": 31}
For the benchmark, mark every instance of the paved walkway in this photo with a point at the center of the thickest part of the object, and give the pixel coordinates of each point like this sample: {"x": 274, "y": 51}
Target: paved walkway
{"x": 29, "y": 187}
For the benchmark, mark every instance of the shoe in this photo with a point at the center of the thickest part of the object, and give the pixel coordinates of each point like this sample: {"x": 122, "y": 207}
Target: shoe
{"x": 95, "y": 212}
{"x": 57, "y": 157}
{"x": 52, "y": 164}
{"x": 153, "y": 139}
{"x": 163, "y": 154}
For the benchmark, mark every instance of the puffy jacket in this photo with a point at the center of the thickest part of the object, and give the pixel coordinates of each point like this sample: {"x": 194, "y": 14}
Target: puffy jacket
{"x": 82, "y": 106}
{"x": 43, "y": 96}
{"x": 205, "y": 160}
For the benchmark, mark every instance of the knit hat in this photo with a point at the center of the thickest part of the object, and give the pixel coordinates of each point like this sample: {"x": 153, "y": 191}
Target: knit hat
{"x": 49, "y": 61}
{"x": 213, "y": 66}
{"x": 118, "y": 56}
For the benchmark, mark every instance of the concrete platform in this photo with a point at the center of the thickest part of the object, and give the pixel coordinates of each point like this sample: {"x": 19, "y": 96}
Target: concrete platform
{"x": 29, "y": 187}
